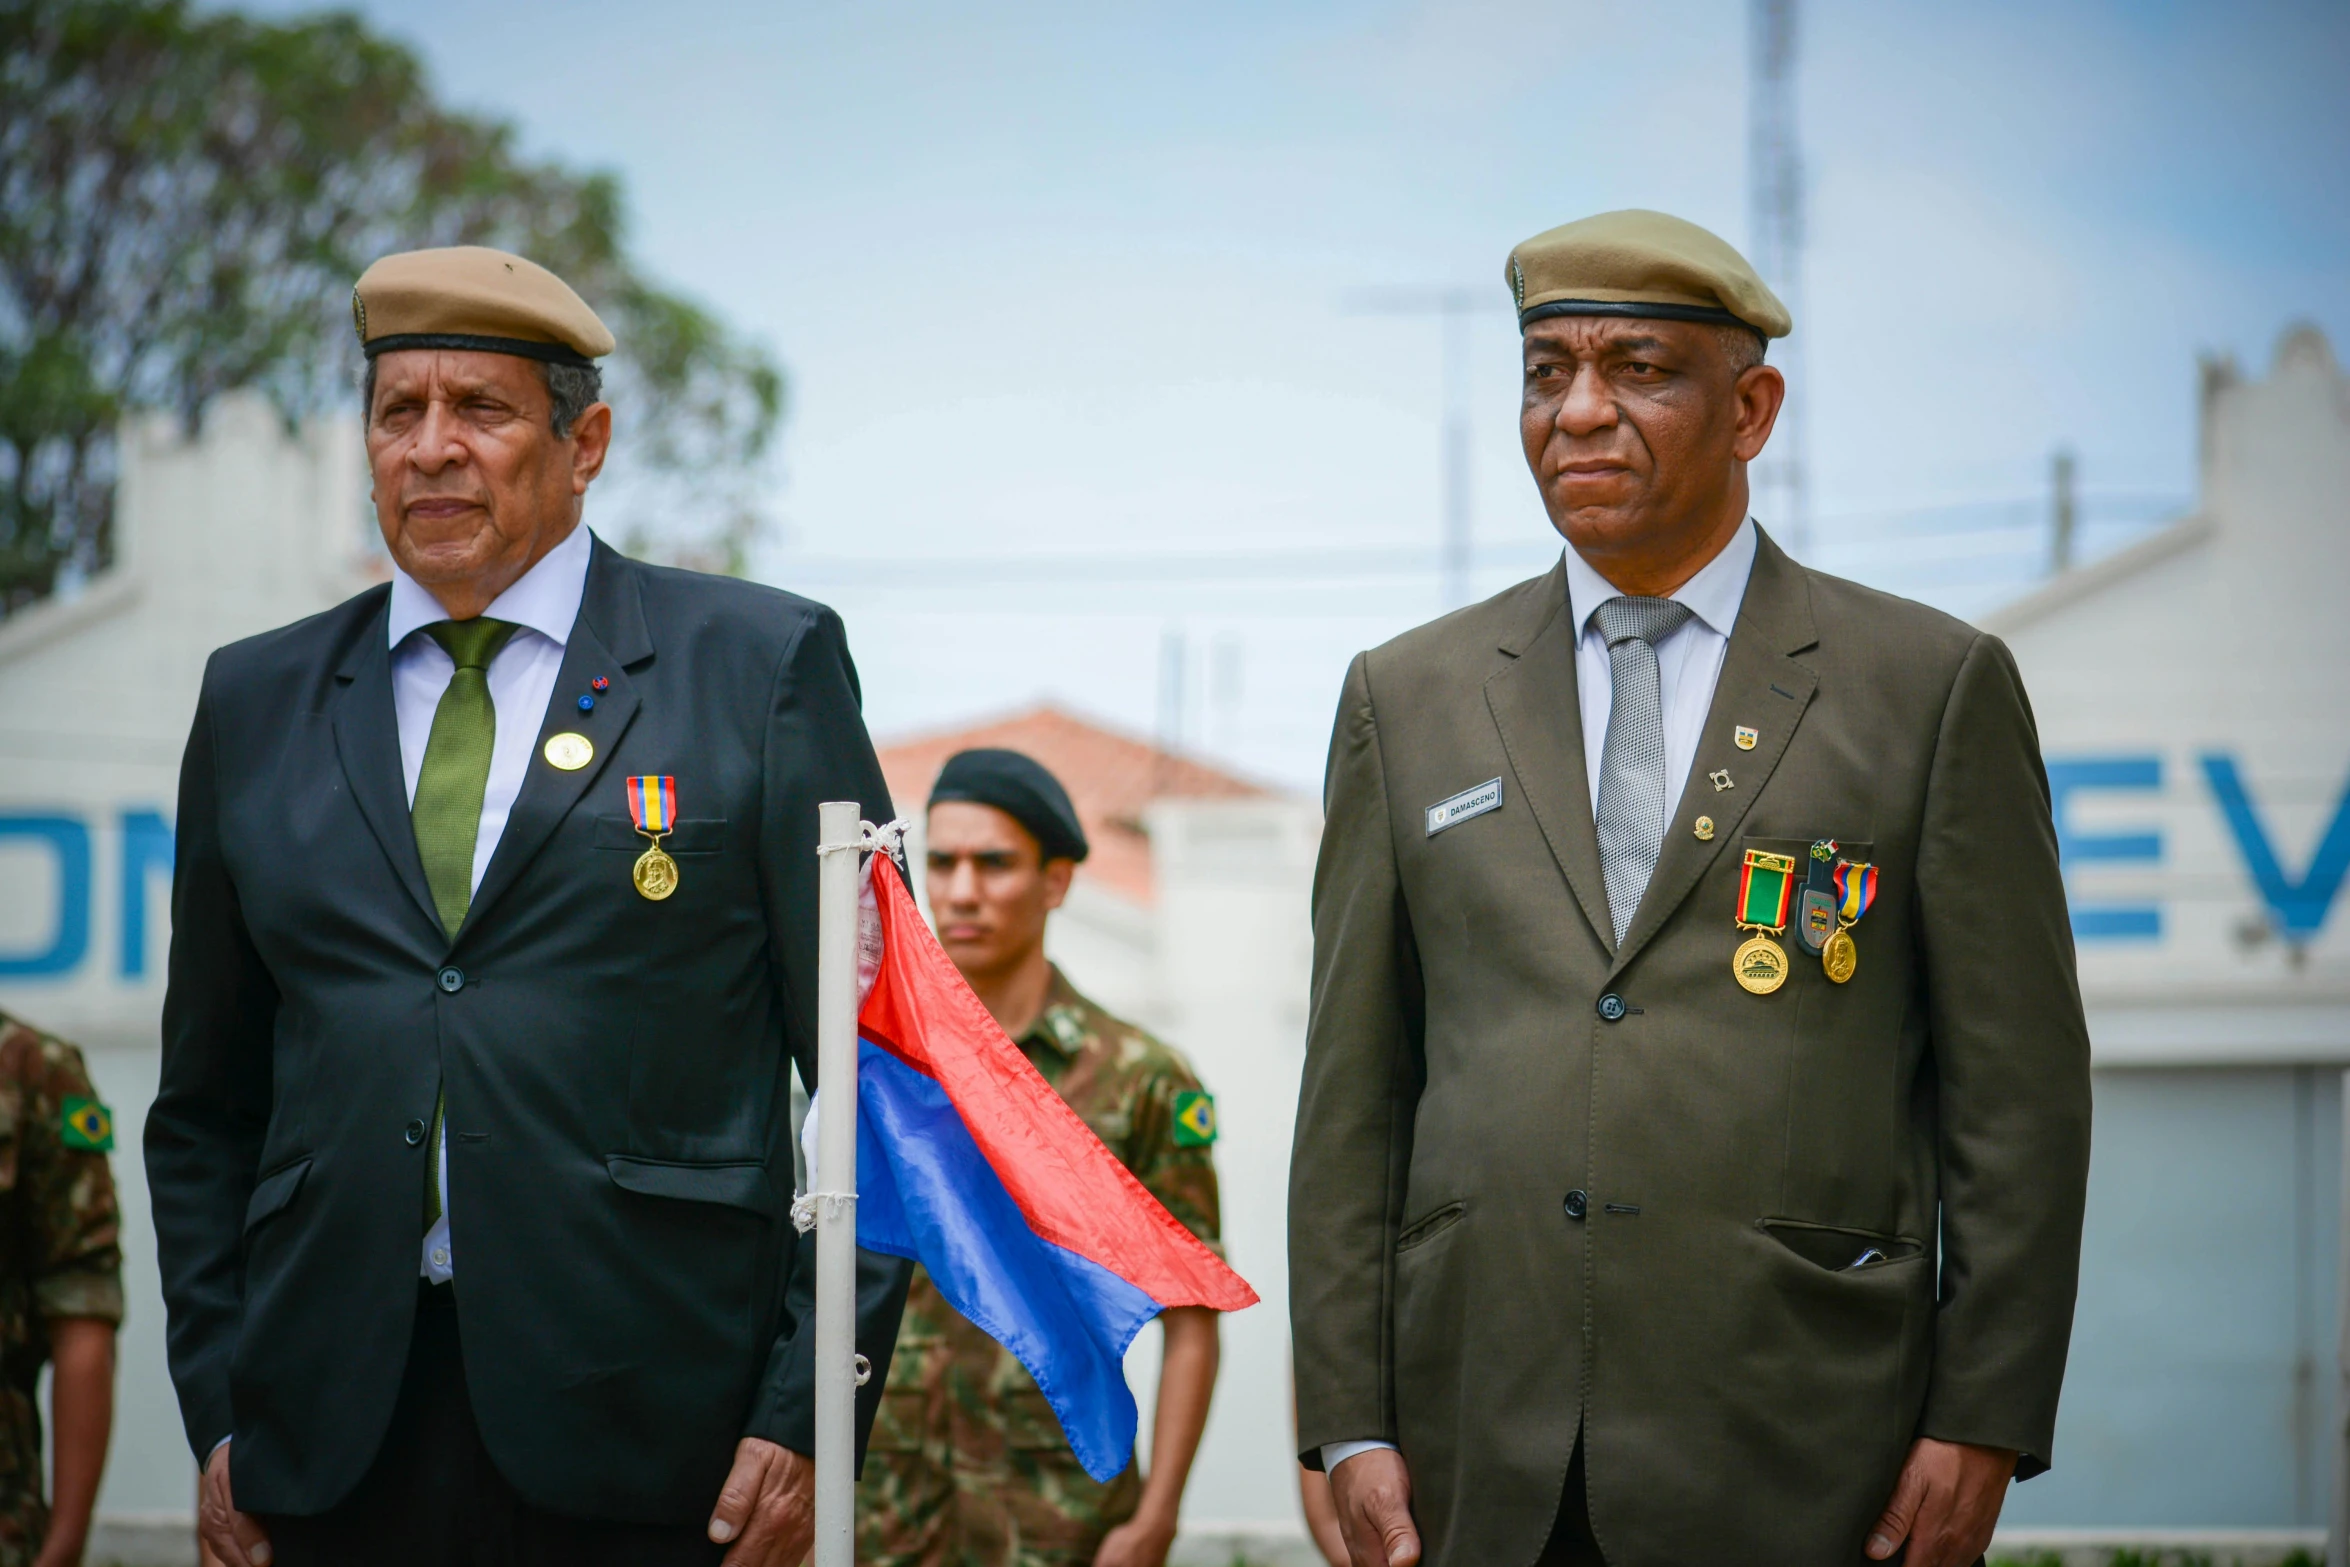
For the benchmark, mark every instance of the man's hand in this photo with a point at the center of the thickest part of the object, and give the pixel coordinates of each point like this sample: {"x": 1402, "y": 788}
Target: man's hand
{"x": 767, "y": 1506}
{"x": 1141, "y": 1541}
{"x": 1945, "y": 1504}
{"x": 1373, "y": 1494}
{"x": 233, "y": 1536}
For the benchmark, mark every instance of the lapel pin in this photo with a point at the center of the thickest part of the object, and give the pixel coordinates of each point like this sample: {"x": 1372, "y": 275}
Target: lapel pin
{"x": 601, "y": 683}
{"x": 569, "y": 751}
{"x": 1704, "y": 828}
{"x": 587, "y": 704}
{"x": 1745, "y": 736}
{"x": 1720, "y": 779}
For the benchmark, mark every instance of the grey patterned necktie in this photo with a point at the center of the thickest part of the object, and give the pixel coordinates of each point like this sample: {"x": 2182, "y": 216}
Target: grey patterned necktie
{"x": 1631, "y": 815}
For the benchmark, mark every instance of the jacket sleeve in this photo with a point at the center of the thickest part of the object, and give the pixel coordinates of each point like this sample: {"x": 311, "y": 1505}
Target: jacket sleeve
{"x": 72, "y": 1225}
{"x": 2011, "y": 1070}
{"x": 817, "y": 750}
{"x": 1363, "y": 1074}
{"x": 204, "y": 1131}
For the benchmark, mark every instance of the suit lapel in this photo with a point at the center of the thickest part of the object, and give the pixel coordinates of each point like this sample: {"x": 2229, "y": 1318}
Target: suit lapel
{"x": 1761, "y": 687}
{"x": 1539, "y": 711}
{"x": 367, "y": 738}
{"x": 606, "y": 640}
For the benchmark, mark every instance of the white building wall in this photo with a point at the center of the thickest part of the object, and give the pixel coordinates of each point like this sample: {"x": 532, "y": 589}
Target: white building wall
{"x": 248, "y": 527}
{"x": 2193, "y": 708}
{"x": 1235, "y": 952}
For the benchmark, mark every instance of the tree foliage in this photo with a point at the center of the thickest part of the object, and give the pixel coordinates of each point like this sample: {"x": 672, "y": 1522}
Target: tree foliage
{"x": 185, "y": 200}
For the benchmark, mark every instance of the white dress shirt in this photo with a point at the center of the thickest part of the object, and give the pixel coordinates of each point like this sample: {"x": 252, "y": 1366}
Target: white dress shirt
{"x": 544, "y": 603}
{"x": 1688, "y": 665}
{"x": 1688, "y": 662}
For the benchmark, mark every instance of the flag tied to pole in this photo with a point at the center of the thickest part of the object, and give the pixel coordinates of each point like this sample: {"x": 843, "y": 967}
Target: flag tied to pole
{"x": 970, "y": 1164}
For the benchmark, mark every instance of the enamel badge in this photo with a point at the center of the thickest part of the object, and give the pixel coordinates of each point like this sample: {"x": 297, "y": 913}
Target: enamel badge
{"x": 569, "y": 751}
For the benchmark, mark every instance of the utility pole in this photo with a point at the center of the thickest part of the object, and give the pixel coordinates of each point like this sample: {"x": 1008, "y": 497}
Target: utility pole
{"x": 1774, "y": 193}
{"x": 2063, "y": 513}
{"x": 1452, "y": 307}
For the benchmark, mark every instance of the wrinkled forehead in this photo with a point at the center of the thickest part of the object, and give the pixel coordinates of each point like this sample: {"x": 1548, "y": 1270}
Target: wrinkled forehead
{"x": 1589, "y": 337}
{"x": 458, "y": 372}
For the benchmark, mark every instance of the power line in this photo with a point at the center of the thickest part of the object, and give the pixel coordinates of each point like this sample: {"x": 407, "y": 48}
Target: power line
{"x": 1903, "y": 529}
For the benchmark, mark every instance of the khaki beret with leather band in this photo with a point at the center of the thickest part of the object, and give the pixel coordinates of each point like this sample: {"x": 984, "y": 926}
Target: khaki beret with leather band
{"x": 1636, "y": 263}
{"x": 472, "y": 297}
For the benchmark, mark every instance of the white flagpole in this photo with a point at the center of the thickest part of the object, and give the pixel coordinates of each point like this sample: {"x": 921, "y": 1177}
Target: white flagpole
{"x": 841, "y": 830}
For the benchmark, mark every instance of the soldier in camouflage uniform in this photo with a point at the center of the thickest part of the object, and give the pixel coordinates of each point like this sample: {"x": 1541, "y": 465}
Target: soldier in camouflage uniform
{"x": 60, "y": 1292}
{"x": 967, "y": 1465}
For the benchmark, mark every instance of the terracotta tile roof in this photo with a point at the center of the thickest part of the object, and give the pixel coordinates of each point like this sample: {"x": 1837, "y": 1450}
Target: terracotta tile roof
{"x": 1110, "y": 778}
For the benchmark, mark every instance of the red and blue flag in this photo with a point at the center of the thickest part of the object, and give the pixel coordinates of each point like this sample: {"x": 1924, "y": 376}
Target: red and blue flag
{"x": 970, "y": 1164}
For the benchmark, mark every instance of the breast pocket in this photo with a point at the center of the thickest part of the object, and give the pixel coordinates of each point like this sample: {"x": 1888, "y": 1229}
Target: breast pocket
{"x": 1813, "y": 897}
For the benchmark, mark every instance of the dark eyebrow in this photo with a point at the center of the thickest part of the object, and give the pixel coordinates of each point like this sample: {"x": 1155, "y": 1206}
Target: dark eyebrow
{"x": 1640, "y": 345}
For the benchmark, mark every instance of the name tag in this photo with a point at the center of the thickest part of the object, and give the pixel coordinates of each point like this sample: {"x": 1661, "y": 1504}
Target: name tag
{"x": 1469, "y": 802}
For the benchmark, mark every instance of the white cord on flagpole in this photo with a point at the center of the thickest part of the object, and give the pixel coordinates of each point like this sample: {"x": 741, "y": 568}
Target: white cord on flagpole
{"x": 832, "y": 1204}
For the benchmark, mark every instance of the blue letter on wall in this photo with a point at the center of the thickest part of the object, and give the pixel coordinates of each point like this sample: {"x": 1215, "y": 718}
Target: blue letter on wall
{"x": 69, "y": 840}
{"x": 146, "y": 847}
{"x": 2107, "y": 921}
{"x": 2298, "y": 907}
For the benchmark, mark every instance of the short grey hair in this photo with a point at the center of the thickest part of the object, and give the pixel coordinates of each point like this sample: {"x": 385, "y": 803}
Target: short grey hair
{"x": 1745, "y": 346}
{"x": 574, "y": 389}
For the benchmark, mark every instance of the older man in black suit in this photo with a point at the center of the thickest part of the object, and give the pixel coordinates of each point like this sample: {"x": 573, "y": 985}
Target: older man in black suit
{"x": 493, "y": 949}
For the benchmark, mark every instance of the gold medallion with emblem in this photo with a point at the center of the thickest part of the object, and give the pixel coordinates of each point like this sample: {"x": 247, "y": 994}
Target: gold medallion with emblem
{"x": 1765, "y": 883}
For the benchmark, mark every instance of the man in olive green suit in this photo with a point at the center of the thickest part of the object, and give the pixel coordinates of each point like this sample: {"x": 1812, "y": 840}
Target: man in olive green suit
{"x": 1695, "y": 1122}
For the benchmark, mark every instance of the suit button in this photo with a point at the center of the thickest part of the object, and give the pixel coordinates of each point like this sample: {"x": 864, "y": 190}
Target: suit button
{"x": 1578, "y": 1203}
{"x": 452, "y": 980}
{"x": 414, "y": 1132}
{"x": 1611, "y": 1007}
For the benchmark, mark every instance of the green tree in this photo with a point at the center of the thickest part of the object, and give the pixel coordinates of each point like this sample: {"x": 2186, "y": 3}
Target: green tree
{"x": 185, "y": 201}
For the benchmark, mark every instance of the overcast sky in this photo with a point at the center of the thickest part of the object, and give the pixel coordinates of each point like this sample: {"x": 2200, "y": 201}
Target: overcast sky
{"x": 1074, "y": 281}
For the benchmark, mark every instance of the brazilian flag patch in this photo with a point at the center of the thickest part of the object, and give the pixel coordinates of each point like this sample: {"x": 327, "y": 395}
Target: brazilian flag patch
{"x": 88, "y": 1126}
{"x": 1195, "y": 1120}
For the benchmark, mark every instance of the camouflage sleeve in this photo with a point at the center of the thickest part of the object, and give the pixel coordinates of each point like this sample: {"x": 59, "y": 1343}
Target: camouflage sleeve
{"x": 1172, "y": 1158}
{"x": 73, "y": 1236}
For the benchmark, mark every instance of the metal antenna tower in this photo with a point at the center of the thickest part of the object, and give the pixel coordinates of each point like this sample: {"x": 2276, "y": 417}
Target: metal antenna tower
{"x": 1774, "y": 191}
{"x": 1453, "y": 307}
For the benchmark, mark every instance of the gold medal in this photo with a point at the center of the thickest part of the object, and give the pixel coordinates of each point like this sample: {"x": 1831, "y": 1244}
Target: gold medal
{"x": 1765, "y": 881}
{"x": 1759, "y": 965}
{"x": 656, "y": 873}
{"x": 652, "y": 805}
{"x": 1839, "y": 956}
{"x": 569, "y": 751}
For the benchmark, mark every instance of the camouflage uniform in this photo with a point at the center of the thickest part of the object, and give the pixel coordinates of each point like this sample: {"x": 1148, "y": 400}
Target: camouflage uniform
{"x": 58, "y": 1251}
{"x": 967, "y": 1465}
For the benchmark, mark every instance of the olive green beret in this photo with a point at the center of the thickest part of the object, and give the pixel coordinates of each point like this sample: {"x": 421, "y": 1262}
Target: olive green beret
{"x": 1636, "y": 263}
{"x": 469, "y": 296}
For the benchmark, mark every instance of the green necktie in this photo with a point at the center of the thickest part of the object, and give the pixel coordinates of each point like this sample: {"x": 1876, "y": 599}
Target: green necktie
{"x": 446, "y": 813}
{"x": 447, "y": 810}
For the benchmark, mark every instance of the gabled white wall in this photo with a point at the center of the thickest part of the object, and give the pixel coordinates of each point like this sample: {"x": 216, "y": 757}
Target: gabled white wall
{"x": 2226, "y": 637}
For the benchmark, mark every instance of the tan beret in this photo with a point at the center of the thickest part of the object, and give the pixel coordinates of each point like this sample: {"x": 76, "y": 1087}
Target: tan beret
{"x": 1637, "y": 263}
{"x": 469, "y": 296}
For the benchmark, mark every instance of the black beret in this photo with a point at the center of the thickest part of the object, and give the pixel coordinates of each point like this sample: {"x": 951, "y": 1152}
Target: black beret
{"x": 1019, "y": 787}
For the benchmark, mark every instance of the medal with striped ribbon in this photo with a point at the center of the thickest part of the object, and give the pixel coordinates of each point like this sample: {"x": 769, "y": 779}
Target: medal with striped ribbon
{"x": 1765, "y": 884}
{"x": 1856, "y": 889}
{"x": 652, "y": 805}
